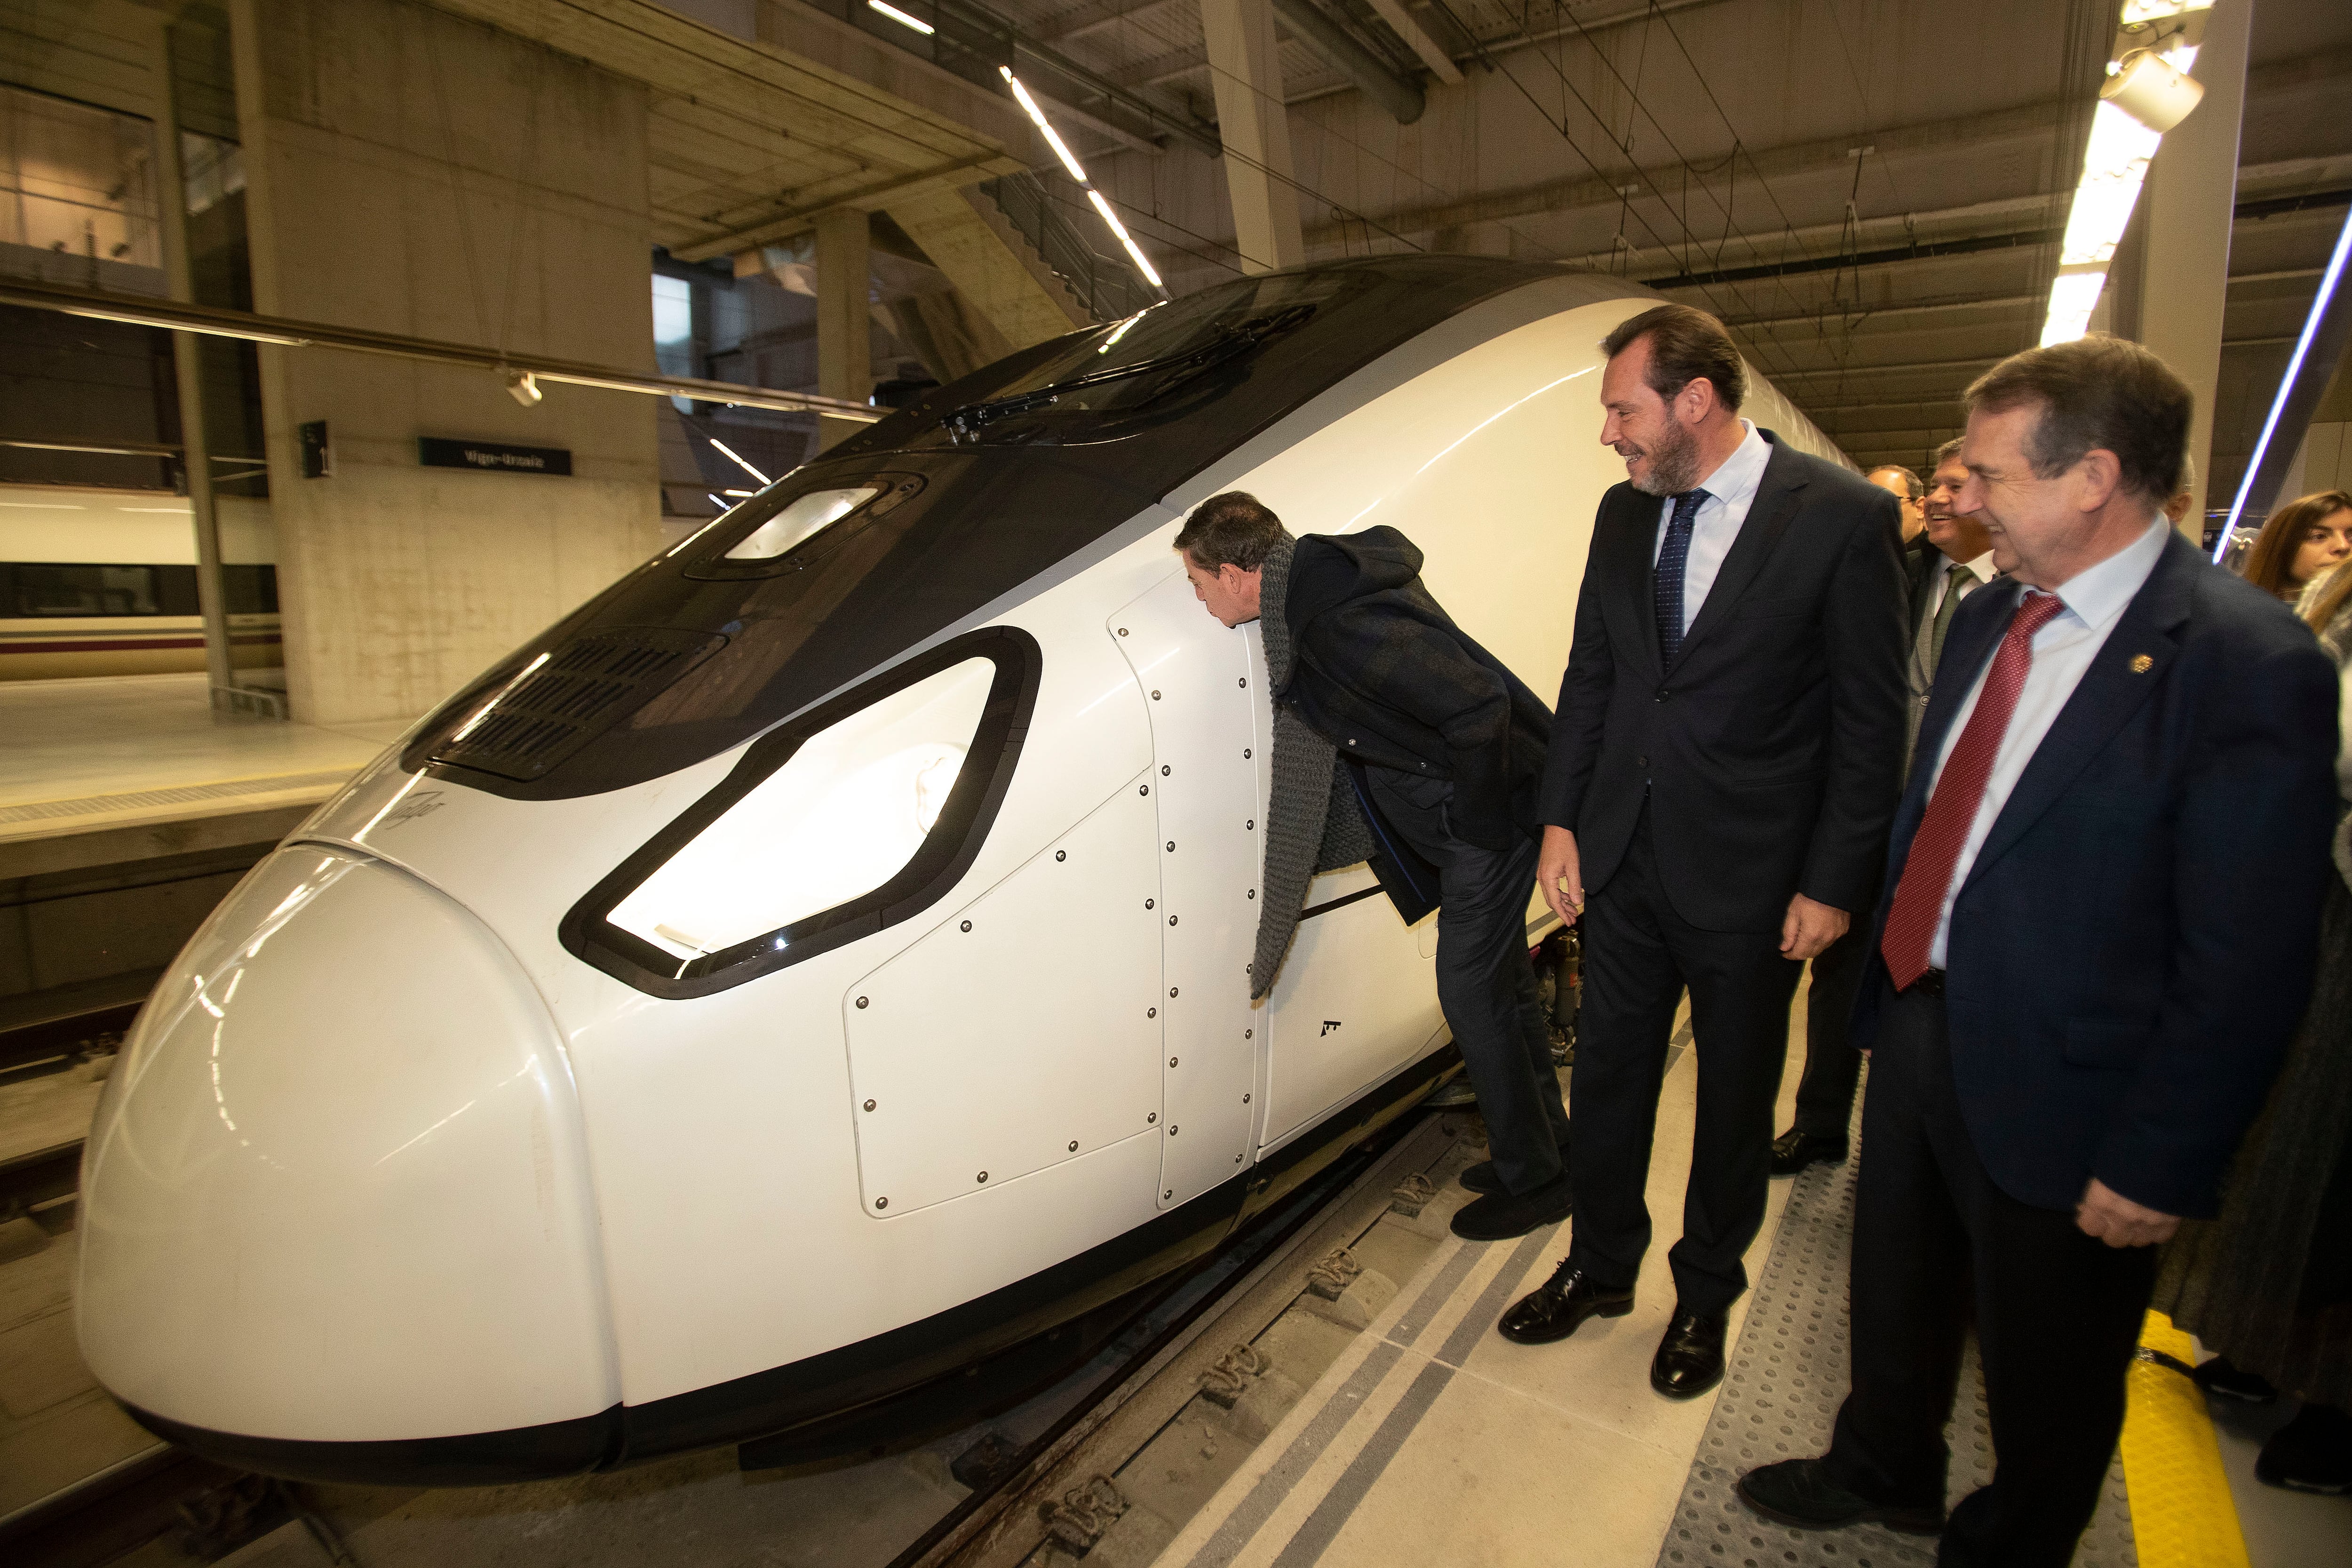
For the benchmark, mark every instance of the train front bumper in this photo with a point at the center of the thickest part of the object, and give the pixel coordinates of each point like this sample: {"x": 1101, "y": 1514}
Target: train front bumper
{"x": 336, "y": 1197}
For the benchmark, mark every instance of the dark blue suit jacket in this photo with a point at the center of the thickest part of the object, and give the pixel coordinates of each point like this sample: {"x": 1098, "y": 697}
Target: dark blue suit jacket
{"x": 2134, "y": 944}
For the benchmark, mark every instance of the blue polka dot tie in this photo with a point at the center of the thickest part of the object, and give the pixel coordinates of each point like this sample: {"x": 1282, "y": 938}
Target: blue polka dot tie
{"x": 1666, "y": 580}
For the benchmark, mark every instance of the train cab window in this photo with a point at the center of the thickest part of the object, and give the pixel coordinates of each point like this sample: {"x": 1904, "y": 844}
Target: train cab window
{"x": 852, "y": 819}
{"x": 50, "y": 588}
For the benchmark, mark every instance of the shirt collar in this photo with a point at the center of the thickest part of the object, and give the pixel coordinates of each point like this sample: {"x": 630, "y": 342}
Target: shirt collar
{"x": 2097, "y": 595}
{"x": 1981, "y": 567}
{"x": 1736, "y": 478}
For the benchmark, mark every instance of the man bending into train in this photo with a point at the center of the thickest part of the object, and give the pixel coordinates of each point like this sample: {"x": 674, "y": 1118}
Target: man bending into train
{"x": 1398, "y": 740}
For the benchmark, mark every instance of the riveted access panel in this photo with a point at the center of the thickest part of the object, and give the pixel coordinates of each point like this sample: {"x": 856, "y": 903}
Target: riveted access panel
{"x": 1201, "y": 687}
{"x": 1022, "y": 1031}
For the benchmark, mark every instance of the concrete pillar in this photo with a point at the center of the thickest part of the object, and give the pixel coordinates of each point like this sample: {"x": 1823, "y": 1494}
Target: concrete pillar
{"x": 984, "y": 269}
{"x": 2187, "y": 208}
{"x": 1246, "y": 72}
{"x": 195, "y": 452}
{"x": 412, "y": 172}
{"x": 844, "y": 333}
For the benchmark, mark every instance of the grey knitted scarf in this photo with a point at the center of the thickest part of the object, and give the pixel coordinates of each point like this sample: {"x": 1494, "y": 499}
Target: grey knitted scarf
{"x": 1313, "y": 822}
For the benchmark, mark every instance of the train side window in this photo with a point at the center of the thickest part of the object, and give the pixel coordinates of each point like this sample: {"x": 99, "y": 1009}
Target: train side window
{"x": 50, "y": 588}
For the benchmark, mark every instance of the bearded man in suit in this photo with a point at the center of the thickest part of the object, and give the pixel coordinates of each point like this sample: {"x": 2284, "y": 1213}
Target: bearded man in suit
{"x": 1723, "y": 765}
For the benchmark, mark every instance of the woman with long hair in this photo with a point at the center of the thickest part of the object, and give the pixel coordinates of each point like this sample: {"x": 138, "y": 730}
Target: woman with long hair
{"x": 2303, "y": 541}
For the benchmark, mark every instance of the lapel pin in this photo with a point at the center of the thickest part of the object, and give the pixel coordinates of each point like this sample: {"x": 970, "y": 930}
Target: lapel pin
{"x": 2142, "y": 664}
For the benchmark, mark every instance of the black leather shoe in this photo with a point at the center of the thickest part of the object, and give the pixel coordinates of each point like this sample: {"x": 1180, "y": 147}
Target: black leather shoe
{"x": 1793, "y": 1151}
{"x": 1690, "y": 1357}
{"x": 1481, "y": 1178}
{"x": 2225, "y": 1379}
{"x": 1555, "y": 1309}
{"x": 1799, "y": 1492}
{"x": 2312, "y": 1453}
{"x": 1499, "y": 1216}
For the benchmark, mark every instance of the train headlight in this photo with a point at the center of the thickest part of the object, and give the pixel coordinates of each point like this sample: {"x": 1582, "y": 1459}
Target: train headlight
{"x": 838, "y": 820}
{"x": 829, "y": 828}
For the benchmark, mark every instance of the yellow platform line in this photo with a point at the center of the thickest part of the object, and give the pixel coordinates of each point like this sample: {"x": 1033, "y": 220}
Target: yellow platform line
{"x": 2181, "y": 1511}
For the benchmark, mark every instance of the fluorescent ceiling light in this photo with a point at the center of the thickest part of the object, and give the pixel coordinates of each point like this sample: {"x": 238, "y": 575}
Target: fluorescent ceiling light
{"x": 43, "y": 506}
{"x": 2138, "y": 11}
{"x": 738, "y": 461}
{"x": 2114, "y": 166}
{"x": 2328, "y": 281}
{"x": 2072, "y": 296}
{"x": 1119, "y": 228}
{"x": 1053, "y": 137}
{"x": 901, "y": 18}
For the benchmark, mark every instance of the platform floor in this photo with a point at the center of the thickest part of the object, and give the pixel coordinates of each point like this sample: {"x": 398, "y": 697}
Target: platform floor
{"x": 115, "y": 751}
{"x": 1436, "y": 1440}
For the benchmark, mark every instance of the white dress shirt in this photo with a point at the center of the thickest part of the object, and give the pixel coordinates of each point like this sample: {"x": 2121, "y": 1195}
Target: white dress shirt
{"x": 1730, "y": 489}
{"x": 1980, "y": 569}
{"x": 2095, "y": 599}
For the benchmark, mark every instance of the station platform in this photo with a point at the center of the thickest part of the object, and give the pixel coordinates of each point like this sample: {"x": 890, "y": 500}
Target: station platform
{"x": 118, "y": 768}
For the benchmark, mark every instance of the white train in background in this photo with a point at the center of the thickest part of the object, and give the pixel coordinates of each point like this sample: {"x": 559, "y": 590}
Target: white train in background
{"x": 818, "y": 965}
{"x": 96, "y": 581}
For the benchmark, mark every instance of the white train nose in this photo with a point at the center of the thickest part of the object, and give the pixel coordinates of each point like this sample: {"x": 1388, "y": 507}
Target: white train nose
{"x": 337, "y": 1192}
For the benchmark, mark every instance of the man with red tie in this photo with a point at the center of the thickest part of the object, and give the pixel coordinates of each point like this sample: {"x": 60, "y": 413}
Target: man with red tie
{"x": 2111, "y": 854}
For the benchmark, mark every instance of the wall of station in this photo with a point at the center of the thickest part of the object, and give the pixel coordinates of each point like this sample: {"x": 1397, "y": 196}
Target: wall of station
{"x": 480, "y": 189}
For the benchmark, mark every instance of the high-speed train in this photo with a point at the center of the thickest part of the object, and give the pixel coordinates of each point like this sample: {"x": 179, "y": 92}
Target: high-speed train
{"x": 98, "y": 582}
{"x": 821, "y": 962}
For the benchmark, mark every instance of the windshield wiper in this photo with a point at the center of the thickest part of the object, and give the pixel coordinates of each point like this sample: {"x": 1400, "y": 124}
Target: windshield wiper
{"x": 966, "y": 423}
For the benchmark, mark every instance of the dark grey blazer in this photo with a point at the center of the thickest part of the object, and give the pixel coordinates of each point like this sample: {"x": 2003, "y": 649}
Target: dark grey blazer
{"x": 1770, "y": 753}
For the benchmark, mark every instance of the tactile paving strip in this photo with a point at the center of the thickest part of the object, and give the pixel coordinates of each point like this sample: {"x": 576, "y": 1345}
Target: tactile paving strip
{"x": 186, "y": 794}
{"x": 1779, "y": 1398}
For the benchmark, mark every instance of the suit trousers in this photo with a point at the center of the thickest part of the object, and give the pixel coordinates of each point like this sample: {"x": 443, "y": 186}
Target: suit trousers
{"x": 2057, "y": 1313}
{"x": 1638, "y": 954}
{"x": 1825, "y": 1094}
{"x": 1486, "y": 982}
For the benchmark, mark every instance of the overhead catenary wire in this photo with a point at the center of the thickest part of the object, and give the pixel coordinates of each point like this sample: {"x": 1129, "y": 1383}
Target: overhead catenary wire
{"x": 1578, "y": 148}
{"x": 1633, "y": 92}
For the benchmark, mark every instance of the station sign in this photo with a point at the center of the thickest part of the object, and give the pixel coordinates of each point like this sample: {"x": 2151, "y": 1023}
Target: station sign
{"x": 492, "y": 456}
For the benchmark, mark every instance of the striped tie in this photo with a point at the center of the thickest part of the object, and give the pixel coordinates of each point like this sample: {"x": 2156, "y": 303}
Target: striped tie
{"x": 1918, "y": 907}
{"x": 1666, "y": 580}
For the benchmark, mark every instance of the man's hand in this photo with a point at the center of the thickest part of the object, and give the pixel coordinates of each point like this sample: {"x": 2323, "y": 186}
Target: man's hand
{"x": 1559, "y": 874}
{"x": 2119, "y": 1222}
{"x": 1809, "y": 927}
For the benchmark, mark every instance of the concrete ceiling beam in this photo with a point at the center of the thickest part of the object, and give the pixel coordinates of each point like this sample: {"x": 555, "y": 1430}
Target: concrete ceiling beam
{"x": 800, "y": 216}
{"x": 1976, "y": 137}
{"x": 1378, "y": 80}
{"x": 1416, "y": 37}
{"x": 1099, "y": 16}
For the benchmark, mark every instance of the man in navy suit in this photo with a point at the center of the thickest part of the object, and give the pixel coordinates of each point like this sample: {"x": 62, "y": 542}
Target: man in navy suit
{"x": 1724, "y": 762}
{"x": 2112, "y": 852}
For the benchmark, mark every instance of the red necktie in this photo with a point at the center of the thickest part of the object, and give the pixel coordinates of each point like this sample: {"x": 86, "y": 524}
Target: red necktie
{"x": 1943, "y": 832}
